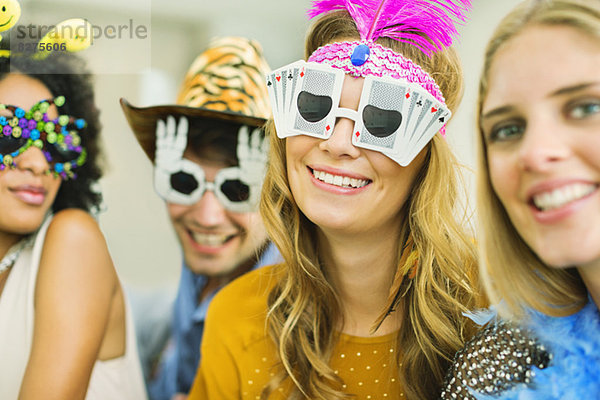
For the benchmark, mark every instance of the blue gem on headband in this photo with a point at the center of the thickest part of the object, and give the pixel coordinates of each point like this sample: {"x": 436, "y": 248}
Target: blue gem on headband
{"x": 360, "y": 55}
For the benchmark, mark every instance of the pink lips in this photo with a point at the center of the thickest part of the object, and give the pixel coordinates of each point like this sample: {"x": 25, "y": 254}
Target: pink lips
{"x": 334, "y": 188}
{"x": 209, "y": 250}
{"x": 558, "y": 214}
{"x": 336, "y": 171}
{"x": 550, "y": 185}
{"x": 33, "y": 195}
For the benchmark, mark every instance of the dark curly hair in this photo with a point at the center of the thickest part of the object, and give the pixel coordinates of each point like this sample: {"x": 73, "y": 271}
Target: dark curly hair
{"x": 65, "y": 74}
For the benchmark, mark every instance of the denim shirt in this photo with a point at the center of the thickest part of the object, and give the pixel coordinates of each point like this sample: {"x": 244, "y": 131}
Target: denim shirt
{"x": 181, "y": 358}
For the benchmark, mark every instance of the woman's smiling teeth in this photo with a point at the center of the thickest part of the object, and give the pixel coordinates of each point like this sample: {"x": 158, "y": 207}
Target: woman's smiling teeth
{"x": 559, "y": 197}
{"x": 338, "y": 180}
{"x": 210, "y": 239}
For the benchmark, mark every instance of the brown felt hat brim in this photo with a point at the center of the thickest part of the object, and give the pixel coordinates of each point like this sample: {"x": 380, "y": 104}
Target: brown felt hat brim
{"x": 142, "y": 120}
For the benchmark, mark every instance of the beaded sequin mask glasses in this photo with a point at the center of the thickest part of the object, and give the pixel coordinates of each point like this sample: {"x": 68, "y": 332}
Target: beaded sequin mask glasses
{"x": 58, "y": 138}
{"x": 179, "y": 180}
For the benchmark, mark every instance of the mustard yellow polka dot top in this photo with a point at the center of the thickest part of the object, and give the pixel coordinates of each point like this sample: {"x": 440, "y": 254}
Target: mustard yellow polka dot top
{"x": 238, "y": 357}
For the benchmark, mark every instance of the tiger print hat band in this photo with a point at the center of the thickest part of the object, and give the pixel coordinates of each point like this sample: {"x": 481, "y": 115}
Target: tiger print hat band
{"x": 225, "y": 82}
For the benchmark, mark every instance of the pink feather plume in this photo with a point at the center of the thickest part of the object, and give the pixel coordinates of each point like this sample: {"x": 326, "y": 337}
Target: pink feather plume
{"x": 428, "y": 24}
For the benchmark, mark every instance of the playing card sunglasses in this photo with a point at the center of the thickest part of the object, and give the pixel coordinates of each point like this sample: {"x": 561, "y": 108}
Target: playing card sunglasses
{"x": 394, "y": 117}
{"x": 59, "y": 138}
{"x": 189, "y": 184}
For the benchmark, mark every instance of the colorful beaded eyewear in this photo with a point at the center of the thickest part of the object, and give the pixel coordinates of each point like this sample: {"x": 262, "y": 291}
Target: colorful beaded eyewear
{"x": 59, "y": 138}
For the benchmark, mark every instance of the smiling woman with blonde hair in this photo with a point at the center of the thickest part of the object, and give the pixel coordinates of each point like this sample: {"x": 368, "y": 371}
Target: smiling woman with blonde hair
{"x": 377, "y": 269}
{"x": 539, "y": 123}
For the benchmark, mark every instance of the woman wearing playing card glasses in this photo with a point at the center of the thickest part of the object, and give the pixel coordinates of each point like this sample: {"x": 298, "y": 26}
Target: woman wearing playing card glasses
{"x": 65, "y": 328}
{"x": 359, "y": 198}
{"x": 539, "y": 172}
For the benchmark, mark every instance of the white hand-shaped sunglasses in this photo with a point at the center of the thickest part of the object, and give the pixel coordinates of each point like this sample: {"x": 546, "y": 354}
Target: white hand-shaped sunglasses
{"x": 181, "y": 181}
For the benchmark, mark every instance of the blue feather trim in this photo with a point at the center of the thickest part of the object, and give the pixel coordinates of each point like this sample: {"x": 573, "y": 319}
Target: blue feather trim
{"x": 574, "y": 373}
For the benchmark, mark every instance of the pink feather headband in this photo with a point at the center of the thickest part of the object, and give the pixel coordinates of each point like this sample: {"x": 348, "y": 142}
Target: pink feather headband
{"x": 427, "y": 24}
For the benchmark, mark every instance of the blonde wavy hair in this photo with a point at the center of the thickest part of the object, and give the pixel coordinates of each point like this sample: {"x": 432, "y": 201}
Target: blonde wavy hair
{"x": 510, "y": 270}
{"x": 304, "y": 306}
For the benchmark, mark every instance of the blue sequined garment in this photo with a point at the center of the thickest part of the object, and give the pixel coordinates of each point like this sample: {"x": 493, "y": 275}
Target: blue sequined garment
{"x": 549, "y": 358}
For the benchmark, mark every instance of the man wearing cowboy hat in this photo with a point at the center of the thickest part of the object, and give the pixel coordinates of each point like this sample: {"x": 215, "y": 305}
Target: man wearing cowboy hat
{"x": 209, "y": 154}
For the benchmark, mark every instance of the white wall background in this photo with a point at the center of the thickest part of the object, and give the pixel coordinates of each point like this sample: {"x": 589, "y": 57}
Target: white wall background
{"x": 136, "y": 225}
